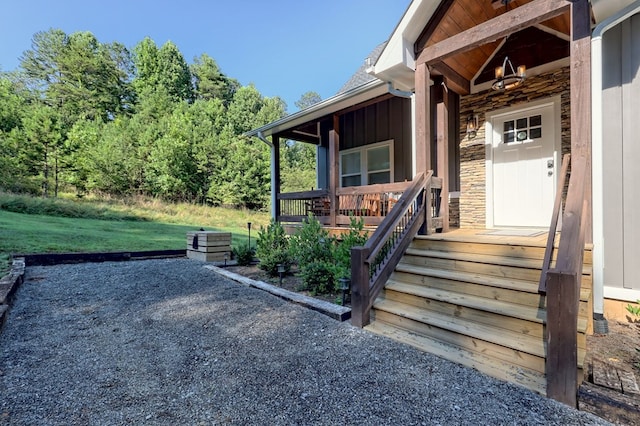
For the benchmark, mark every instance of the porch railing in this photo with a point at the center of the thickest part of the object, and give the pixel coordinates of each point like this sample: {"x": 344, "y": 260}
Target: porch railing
{"x": 295, "y": 206}
{"x": 371, "y": 202}
{"x": 562, "y": 287}
{"x": 373, "y": 263}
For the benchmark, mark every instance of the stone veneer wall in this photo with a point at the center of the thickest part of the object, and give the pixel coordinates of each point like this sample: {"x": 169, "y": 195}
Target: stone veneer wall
{"x": 472, "y": 152}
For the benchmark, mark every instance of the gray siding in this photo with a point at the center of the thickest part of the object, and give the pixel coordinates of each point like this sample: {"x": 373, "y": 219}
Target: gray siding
{"x": 621, "y": 154}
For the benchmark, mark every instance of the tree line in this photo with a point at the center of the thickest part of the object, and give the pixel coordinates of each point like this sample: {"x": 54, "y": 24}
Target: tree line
{"x": 90, "y": 117}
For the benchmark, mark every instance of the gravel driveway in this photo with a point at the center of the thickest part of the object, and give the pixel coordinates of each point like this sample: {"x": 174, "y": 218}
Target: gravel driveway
{"x": 170, "y": 342}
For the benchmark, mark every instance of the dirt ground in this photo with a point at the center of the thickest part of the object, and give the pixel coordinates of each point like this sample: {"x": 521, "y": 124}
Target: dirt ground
{"x": 620, "y": 348}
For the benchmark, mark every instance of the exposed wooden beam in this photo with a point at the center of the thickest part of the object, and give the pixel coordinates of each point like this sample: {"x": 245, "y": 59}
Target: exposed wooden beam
{"x": 301, "y": 137}
{"x": 453, "y": 80}
{"x": 494, "y": 29}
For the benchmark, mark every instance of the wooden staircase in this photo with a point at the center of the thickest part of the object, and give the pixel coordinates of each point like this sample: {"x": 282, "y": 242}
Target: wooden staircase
{"x": 475, "y": 301}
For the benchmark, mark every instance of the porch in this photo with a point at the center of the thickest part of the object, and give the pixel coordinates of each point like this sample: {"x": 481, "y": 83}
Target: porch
{"x": 370, "y": 203}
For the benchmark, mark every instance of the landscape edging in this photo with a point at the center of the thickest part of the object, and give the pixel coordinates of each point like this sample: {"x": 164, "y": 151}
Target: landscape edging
{"x": 331, "y": 310}
{"x": 9, "y": 284}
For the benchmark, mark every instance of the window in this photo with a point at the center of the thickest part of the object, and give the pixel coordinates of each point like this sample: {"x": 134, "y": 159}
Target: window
{"x": 523, "y": 129}
{"x": 367, "y": 165}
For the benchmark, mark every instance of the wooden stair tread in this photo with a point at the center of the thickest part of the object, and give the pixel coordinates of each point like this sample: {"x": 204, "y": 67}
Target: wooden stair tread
{"x": 512, "y": 340}
{"x": 530, "y": 379}
{"x": 518, "y": 247}
{"x": 523, "y": 312}
{"x": 480, "y": 279}
{"x": 503, "y": 337}
{"x": 488, "y": 259}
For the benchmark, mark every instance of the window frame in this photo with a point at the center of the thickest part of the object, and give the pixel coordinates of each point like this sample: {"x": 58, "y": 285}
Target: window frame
{"x": 364, "y": 173}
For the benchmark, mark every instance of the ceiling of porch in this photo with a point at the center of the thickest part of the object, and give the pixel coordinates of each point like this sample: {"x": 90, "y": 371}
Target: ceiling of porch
{"x": 543, "y": 43}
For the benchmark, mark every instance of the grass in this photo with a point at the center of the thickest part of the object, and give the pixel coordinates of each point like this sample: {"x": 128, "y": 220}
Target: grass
{"x": 36, "y": 225}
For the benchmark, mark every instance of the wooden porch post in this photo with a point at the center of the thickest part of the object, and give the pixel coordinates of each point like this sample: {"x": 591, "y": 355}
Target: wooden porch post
{"x": 442, "y": 150}
{"x": 423, "y": 128}
{"x": 423, "y": 118}
{"x": 334, "y": 172}
{"x": 580, "y": 75}
{"x": 275, "y": 176}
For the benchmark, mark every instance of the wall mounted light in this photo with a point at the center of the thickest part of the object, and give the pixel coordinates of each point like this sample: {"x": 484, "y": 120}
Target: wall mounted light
{"x": 506, "y": 81}
{"x": 472, "y": 126}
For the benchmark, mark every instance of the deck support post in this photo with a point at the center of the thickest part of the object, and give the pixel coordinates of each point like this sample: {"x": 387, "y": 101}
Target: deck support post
{"x": 275, "y": 177}
{"x": 334, "y": 170}
{"x": 359, "y": 287}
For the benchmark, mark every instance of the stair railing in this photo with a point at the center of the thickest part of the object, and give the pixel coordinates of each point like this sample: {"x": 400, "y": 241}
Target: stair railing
{"x": 373, "y": 263}
{"x": 563, "y": 291}
{"x": 555, "y": 216}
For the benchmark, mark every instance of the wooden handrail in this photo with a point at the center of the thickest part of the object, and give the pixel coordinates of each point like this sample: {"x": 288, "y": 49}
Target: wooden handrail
{"x": 563, "y": 291}
{"x": 374, "y": 189}
{"x": 557, "y": 205}
{"x": 385, "y": 248}
{"x": 385, "y": 229}
{"x": 318, "y": 193}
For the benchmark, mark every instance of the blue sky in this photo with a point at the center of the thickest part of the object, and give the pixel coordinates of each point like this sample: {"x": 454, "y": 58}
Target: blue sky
{"x": 284, "y": 47}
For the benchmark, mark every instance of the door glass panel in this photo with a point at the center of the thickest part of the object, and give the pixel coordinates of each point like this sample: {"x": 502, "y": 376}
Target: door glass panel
{"x": 521, "y": 123}
{"x": 535, "y": 120}
{"x": 536, "y": 133}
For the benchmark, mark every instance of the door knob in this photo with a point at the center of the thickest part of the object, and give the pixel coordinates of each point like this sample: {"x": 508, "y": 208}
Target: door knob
{"x": 549, "y": 164}
{"x": 550, "y": 173}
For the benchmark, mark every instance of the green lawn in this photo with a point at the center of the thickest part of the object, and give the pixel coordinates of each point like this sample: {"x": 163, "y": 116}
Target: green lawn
{"x": 31, "y": 233}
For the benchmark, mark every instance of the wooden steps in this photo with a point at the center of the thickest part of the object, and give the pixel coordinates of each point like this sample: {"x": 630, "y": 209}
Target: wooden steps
{"x": 476, "y": 302}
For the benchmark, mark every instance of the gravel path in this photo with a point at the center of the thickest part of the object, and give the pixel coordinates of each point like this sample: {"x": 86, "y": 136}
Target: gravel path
{"x": 170, "y": 342}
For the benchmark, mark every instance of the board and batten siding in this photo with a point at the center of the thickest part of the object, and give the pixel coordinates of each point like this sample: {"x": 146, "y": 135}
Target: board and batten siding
{"x": 386, "y": 120}
{"x": 621, "y": 154}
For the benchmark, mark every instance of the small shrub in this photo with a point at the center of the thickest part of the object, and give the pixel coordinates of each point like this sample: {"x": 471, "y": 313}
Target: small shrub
{"x": 312, "y": 248}
{"x": 272, "y": 248}
{"x": 312, "y": 243}
{"x": 243, "y": 254}
{"x": 318, "y": 277}
{"x": 355, "y": 237}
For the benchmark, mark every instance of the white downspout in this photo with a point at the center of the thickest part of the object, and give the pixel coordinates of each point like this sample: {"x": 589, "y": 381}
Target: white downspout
{"x": 597, "y": 152}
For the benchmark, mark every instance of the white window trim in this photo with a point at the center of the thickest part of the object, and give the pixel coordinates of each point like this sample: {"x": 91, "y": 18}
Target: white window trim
{"x": 363, "y": 160}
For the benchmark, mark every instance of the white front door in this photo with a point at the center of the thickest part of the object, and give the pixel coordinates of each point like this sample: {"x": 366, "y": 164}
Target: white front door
{"x": 524, "y": 165}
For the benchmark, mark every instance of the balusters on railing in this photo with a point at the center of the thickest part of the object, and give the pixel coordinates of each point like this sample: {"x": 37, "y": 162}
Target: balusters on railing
{"x": 372, "y": 264}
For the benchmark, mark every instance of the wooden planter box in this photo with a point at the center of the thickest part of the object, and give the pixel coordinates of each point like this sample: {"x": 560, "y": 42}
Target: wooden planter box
{"x": 208, "y": 246}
